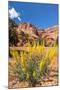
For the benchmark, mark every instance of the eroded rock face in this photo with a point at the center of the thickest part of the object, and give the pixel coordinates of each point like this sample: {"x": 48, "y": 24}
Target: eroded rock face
{"x": 28, "y": 28}
{"x": 20, "y": 34}
{"x": 27, "y": 32}
{"x": 49, "y": 35}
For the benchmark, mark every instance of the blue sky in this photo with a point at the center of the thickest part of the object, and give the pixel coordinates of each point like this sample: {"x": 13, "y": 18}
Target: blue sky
{"x": 39, "y": 14}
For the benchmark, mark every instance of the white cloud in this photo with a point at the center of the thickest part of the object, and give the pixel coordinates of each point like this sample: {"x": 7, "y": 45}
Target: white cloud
{"x": 19, "y": 18}
{"x": 14, "y": 14}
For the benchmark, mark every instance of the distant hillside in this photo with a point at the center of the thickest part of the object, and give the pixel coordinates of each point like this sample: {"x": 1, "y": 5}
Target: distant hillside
{"x": 20, "y": 35}
{"x": 51, "y": 35}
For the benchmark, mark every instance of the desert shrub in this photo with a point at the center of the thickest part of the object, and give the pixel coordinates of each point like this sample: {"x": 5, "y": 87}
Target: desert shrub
{"x": 33, "y": 66}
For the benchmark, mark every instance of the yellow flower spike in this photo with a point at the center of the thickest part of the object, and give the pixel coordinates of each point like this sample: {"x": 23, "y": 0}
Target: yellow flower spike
{"x": 22, "y": 58}
{"x": 42, "y": 50}
{"x": 12, "y": 53}
{"x": 23, "y": 61}
{"x": 42, "y": 65}
{"x": 31, "y": 50}
{"x": 51, "y": 53}
{"x": 17, "y": 55}
{"x": 34, "y": 73}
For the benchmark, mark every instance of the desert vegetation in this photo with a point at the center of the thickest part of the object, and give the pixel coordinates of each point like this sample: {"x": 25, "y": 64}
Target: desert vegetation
{"x": 33, "y": 65}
